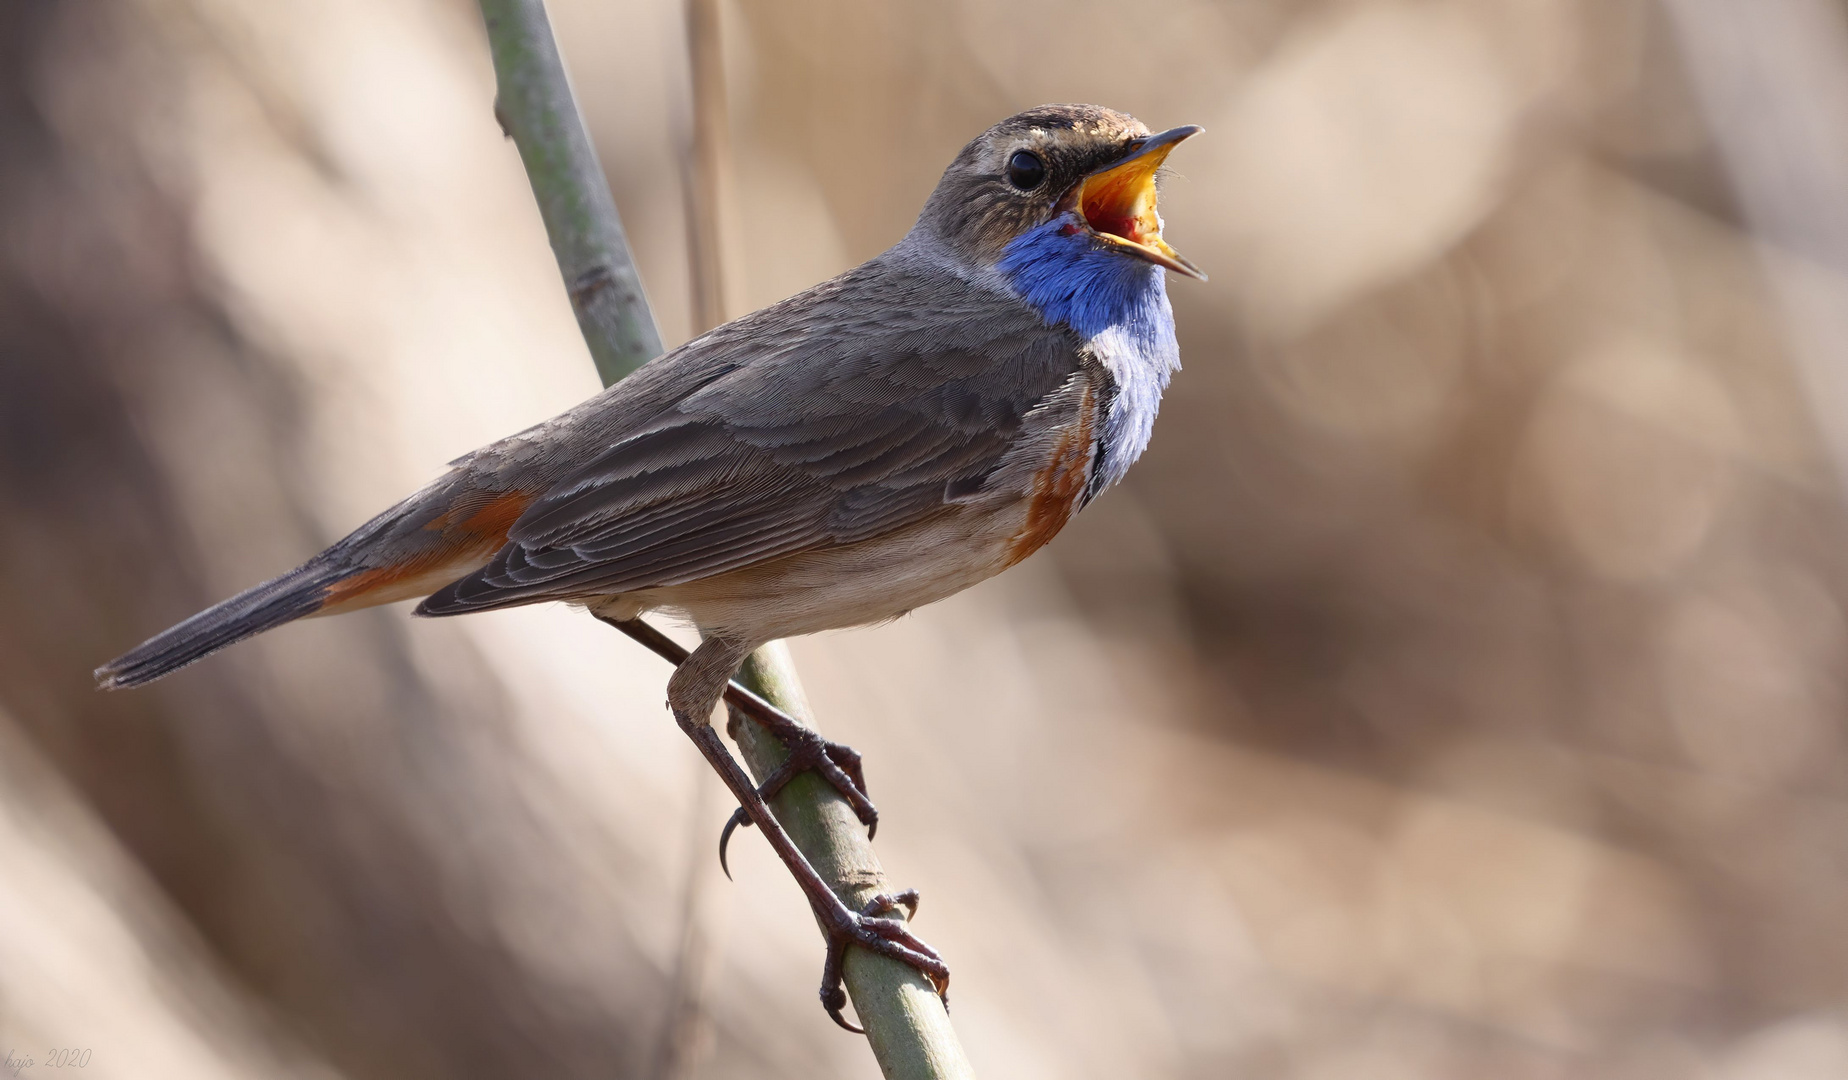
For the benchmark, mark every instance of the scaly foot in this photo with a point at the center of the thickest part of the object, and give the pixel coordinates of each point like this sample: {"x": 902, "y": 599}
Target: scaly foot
{"x": 838, "y": 764}
{"x": 870, "y": 929}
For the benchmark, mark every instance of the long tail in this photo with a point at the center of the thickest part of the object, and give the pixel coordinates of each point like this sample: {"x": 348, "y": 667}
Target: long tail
{"x": 449, "y": 529}
{"x": 302, "y": 591}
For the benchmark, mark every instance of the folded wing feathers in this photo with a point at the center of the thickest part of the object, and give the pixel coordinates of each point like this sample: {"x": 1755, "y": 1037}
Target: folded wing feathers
{"x": 820, "y": 440}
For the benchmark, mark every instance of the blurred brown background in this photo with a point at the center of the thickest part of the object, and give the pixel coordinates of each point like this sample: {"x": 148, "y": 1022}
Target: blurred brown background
{"x": 1456, "y": 689}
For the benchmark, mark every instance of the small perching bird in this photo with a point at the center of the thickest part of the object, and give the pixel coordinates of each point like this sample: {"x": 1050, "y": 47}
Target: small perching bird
{"x": 885, "y": 439}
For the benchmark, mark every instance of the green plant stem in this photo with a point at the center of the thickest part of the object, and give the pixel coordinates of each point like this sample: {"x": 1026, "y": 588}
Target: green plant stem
{"x": 537, "y": 111}
{"x": 905, "y": 1022}
{"x": 907, "y": 1026}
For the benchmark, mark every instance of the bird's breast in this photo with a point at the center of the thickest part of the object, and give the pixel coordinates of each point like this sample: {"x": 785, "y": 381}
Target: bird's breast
{"x": 1118, "y": 306}
{"x": 1061, "y": 484}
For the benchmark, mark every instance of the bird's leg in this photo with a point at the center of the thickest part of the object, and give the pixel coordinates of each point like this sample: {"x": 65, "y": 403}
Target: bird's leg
{"x": 838, "y": 763}
{"x": 691, "y": 693}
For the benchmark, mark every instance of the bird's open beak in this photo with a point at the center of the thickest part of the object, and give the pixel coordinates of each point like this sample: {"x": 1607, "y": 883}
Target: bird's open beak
{"x": 1118, "y": 202}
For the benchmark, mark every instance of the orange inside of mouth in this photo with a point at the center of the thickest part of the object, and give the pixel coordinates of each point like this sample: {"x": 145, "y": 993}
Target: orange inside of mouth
{"x": 1121, "y": 202}
{"x": 1118, "y": 205}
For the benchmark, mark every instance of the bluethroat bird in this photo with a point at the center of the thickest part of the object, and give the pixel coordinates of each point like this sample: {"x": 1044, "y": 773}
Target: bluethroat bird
{"x": 885, "y": 439}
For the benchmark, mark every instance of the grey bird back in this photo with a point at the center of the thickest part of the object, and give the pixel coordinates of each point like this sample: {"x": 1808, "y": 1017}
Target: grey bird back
{"x": 868, "y": 403}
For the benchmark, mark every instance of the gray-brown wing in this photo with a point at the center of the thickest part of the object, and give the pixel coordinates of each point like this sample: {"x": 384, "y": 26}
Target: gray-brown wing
{"x": 799, "y": 449}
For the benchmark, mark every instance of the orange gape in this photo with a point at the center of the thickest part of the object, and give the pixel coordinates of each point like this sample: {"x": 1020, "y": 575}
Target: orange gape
{"x": 1057, "y": 487}
{"x": 469, "y": 533}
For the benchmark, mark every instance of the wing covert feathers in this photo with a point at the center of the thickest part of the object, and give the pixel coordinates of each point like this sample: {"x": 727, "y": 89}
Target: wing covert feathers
{"x": 820, "y": 426}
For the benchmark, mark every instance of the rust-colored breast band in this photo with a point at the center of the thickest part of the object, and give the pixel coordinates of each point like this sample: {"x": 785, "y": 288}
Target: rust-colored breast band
{"x": 1058, "y": 485}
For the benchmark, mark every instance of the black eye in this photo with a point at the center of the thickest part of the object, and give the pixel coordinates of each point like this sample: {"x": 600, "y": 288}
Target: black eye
{"x": 1025, "y": 170}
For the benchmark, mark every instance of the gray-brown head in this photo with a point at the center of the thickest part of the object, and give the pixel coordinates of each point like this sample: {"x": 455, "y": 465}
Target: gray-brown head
{"x": 1094, "y": 163}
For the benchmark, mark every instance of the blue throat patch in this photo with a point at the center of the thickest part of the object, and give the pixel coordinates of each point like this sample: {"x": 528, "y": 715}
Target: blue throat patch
{"x": 1119, "y": 305}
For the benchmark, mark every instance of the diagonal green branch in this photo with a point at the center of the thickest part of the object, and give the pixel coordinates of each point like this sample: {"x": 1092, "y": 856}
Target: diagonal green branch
{"x": 535, "y": 108}
{"x": 907, "y": 1026}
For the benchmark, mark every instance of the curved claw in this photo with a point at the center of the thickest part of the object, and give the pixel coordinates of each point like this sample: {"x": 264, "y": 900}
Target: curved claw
{"x": 839, "y": 767}
{"x": 739, "y": 817}
{"x": 886, "y": 936}
{"x": 884, "y": 902}
{"x": 833, "y": 996}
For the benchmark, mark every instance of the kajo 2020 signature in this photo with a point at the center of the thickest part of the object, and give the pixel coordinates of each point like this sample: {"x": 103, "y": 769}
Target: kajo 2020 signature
{"x": 65, "y": 1057}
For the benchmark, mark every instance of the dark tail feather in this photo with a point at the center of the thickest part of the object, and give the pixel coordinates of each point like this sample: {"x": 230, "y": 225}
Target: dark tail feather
{"x": 297, "y": 593}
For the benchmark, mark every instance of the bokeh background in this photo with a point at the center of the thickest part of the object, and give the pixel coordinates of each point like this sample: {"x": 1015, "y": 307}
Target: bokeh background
{"x": 1455, "y": 690}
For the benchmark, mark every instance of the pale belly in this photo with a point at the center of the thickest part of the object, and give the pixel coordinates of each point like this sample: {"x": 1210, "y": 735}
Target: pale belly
{"x": 1028, "y": 500}
{"x": 855, "y": 585}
